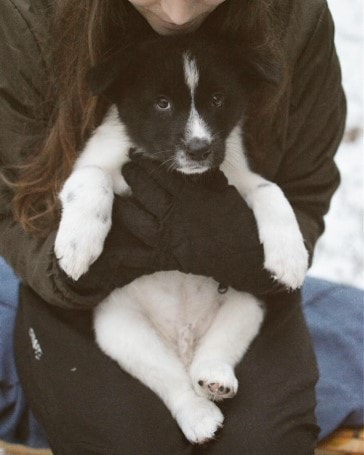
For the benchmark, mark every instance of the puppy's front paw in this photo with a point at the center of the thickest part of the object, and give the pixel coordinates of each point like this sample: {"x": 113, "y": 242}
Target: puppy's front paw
{"x": 199, "y": 419}
{"x": 286, "y": 256}
{"x": 80, "y": 241}
{"x": 214, "y": 380}
{"x": 87, "y": 199}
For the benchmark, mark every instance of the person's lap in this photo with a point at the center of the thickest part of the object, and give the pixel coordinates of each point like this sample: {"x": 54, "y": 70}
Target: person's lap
{"x": 88, "y": 405}
{"x": 17, "y": 423}
{"x": 335, "y": 318}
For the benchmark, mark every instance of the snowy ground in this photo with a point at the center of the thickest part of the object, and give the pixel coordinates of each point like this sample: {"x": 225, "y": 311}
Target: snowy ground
{"x": 340, "y": 252}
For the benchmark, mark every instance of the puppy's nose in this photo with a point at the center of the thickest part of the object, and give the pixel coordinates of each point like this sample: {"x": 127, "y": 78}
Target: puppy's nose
{"x": 198, "y": 149}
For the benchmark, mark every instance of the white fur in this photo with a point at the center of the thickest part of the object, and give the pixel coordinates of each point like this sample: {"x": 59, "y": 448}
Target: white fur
{"x": 172, "y": 331}
{"x": 87, "y": 196}
{"x": 190, "y": 71}
{"x": 107, "y": 149}
{"x": 285, "y": 255}
{"x": 186, "y": 166}
{"x": 196, "y": 126}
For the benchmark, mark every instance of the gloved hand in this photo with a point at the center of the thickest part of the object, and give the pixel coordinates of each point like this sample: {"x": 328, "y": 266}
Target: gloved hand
{"x": 198, "y": 225}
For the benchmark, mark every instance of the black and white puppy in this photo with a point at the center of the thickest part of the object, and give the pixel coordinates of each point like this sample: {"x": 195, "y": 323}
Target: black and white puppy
{"x": 181, "y": 102}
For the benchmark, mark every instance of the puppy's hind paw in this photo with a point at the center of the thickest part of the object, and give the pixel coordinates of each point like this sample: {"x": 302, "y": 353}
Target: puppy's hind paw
{"x": 199, "y": 420}
{"x": 214, "y": 380}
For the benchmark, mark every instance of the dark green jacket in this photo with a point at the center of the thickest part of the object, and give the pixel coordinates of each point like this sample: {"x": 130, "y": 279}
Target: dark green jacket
{"x": 300, "y": 158}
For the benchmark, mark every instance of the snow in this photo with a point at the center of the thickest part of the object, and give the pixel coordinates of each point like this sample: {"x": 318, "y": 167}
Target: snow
{"x": 339, "y": 253}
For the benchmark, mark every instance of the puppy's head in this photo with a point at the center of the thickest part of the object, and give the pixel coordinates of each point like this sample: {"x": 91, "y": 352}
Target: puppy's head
{"x": 179, "y": 98}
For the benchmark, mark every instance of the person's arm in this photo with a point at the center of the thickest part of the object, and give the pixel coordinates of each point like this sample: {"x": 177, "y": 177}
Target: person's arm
{"x": 308, "y": 175}
{"x": 227, "y": 247}
{"x": 23, "y": 72}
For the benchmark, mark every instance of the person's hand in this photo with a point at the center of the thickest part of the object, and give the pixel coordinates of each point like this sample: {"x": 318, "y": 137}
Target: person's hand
{"x": 195, "y": 225}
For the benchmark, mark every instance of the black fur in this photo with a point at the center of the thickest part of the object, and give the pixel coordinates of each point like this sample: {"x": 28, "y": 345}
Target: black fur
{"x": 136, "y": 78}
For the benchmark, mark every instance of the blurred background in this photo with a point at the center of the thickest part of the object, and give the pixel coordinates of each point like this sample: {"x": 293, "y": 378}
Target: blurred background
{"x": 339, "y": 254}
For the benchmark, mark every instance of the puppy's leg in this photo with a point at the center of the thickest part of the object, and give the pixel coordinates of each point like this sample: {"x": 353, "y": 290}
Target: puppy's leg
{"x": 126, "y": 335}
{"x": 236, "y": 324}
{"x": 87, "y": 196}
{"x": 285, "y": 255}
{"x": 107, "y": 149}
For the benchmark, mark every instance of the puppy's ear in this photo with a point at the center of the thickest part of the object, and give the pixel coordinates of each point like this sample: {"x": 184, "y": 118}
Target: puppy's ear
{"x": 103, "y": 77}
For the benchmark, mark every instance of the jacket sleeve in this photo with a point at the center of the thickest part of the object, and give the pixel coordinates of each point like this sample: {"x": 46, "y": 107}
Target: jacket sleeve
{"x": 308, "y": 174}
{"x": 23, "y": 72}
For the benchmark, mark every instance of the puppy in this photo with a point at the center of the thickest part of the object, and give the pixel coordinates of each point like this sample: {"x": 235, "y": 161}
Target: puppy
{"x": 179, "y": 101}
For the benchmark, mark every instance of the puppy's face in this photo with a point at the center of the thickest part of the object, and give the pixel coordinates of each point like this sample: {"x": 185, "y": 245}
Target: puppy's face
{"x": 179, "y": 99}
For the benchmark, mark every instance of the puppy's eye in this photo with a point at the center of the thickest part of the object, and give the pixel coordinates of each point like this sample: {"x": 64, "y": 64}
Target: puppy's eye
{"x": 217, "y": 100}
{"x": 163, "y": 103}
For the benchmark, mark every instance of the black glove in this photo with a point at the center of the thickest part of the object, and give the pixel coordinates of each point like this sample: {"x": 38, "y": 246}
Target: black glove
{"x": 198, "y": 225}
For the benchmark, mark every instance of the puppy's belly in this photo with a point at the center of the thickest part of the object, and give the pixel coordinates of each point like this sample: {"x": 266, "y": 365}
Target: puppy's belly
{"x": 180, "y": 306}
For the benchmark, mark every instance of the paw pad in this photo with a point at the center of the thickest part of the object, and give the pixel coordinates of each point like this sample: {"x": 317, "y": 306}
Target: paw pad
{"x": 216, "y": 391}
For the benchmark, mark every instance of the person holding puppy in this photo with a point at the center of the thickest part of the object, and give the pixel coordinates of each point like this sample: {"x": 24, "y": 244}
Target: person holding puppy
{"x": 83, "y": 400}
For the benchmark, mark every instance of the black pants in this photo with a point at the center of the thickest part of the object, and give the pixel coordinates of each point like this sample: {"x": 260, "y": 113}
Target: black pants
{"x": 89, "y": 406}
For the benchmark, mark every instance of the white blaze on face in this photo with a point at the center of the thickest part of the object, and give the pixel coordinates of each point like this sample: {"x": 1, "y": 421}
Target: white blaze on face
{"x": 196, "y": 127}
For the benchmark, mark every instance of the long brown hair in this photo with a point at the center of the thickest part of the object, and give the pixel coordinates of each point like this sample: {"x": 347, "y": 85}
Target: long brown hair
{"x": 83, "y": 33}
